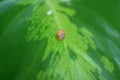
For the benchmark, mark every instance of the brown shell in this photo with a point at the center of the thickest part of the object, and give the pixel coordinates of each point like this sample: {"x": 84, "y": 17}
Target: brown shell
{"x": 60, "y": 35}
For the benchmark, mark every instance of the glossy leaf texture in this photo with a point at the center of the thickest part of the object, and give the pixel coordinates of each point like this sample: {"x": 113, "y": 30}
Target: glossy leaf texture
{"x": 29, "y": 49}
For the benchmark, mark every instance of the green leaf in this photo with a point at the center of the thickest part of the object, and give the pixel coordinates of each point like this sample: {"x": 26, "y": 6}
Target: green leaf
{"x": 29, "y": 49}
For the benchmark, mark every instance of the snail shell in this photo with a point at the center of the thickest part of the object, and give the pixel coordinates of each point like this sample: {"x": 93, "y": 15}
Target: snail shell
{"x": 60, "y": 35}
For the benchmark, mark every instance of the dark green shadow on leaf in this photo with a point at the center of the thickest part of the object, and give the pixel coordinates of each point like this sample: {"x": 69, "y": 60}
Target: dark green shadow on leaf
{"x": 72, "y": 55}
{"x": 9, "y": 14}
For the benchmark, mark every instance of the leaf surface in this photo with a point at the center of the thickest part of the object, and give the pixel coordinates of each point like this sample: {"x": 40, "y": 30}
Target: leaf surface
{"x": 29, "y": 49}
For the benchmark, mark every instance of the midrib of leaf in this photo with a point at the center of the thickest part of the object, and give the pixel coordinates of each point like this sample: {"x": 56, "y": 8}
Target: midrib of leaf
{"x": 59, "y": 26}
{"x": 51, "y": 4}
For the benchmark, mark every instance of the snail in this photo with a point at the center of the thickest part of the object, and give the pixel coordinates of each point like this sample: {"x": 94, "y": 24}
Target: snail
{"x": 60, "y": 35}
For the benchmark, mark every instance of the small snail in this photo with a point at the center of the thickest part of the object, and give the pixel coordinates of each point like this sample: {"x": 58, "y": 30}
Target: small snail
{"x": 60, "y": 35}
